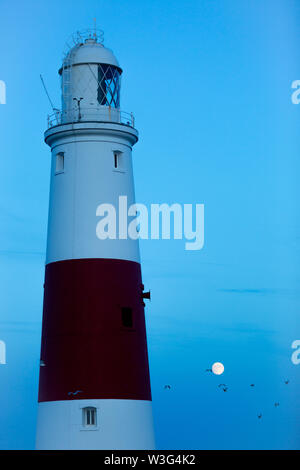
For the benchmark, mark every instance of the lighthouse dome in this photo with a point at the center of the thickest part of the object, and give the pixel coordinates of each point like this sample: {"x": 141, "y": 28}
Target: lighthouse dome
{"x": 91, "y": 52}
{"x": 91, "y": 81}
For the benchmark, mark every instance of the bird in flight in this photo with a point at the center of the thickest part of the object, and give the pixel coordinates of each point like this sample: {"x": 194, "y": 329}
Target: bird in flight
{"x": 276, "y": 404}
{"x": 167, "y": 387}
{"x": 224, "y": 387}
{"x": 75, "y": 393}
{"x": 208, "y": 370}
{"x": 259, "y": 416}
{"x": 252, "y": 385}
{"x": 286, "y": 381}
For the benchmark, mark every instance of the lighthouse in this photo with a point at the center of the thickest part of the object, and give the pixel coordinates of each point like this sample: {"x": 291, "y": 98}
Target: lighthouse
{"x": 94, "y": 385}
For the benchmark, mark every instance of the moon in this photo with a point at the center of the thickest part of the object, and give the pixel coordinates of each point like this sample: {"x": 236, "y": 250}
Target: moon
{"x": 217, "y": 368}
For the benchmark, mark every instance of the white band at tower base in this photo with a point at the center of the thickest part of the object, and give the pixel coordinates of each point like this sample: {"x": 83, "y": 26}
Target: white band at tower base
{"x": 60, "y": 425}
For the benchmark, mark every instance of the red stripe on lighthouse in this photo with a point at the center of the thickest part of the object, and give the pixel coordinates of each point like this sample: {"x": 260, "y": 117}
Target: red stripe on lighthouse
{"x": 88, "y": 350}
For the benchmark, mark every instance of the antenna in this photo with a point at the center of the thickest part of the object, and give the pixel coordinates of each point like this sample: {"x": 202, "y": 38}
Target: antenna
{"x": 43, "y": 83}
{"x": 95, "y": 28}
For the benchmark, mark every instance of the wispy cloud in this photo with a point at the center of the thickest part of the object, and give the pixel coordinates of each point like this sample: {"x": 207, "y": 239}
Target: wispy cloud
{"x": 260, "y": 291}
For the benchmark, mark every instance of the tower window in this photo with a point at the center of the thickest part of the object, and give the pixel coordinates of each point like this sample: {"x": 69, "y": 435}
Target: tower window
{"x": 116, "y": 160}
{"x": 89, "y": 416}
{"x": 127, "y": 317}
{"x": 60, "y": 162}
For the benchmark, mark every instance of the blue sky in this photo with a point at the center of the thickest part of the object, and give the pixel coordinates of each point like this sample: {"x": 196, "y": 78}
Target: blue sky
{"x": 209, "y": 83}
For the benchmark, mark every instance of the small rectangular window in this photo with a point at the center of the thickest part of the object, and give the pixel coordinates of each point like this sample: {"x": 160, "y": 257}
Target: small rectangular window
{"x": 127, "y": 317}
{"x": 116, "y": 159}
{"x": 60, "y": 162}
{"x": 89, "y": 416}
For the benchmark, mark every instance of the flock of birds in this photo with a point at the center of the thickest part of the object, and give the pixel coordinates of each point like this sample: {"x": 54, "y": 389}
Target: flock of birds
{"x": 224, "y": 387}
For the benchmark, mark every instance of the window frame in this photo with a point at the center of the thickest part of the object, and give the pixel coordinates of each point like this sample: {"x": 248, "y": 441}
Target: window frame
{"x": 89, "y": 412}
{"x": 118, "y": 159}
{"x": 60, "y": 156}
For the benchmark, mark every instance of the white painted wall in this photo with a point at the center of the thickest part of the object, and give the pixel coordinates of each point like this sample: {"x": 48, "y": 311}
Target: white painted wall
{"x": 89, "y": 179}
{"x": 121, "y": 424}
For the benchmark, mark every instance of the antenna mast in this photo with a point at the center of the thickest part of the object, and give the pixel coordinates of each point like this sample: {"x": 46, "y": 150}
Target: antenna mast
{"x": 43, "y": 83}
{"x": 95, "y": 28}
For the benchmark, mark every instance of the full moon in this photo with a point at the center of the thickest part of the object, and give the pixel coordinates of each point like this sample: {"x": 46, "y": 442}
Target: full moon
{"x": 217, "y": 368}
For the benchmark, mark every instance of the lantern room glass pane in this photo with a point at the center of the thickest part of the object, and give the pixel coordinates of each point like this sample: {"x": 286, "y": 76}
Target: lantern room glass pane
{"x": 108, "y": 86}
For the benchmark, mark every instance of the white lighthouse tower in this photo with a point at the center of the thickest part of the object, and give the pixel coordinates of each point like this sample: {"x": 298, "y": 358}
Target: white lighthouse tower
{"x": 94, "y": 388}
